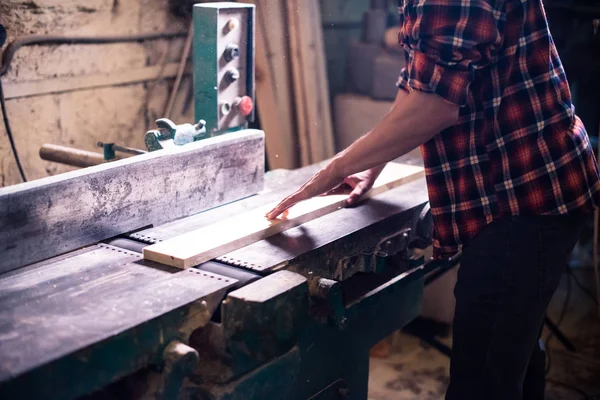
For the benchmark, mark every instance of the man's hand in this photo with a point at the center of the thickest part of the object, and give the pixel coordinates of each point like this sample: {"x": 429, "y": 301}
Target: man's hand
{"x": 323, "y": 181}
{"x": 326, "y": 181}
{"x": 413, "y": 120}
{"x": 361, "y": 183}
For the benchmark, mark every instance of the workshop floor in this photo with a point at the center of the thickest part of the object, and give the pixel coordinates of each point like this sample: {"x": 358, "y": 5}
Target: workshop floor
{"x": 416, "y": 371}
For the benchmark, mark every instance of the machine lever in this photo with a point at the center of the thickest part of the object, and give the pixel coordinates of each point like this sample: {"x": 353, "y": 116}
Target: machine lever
{"x": 70, "y": 156}
{"x": 180, "y": 361}
{"x": 83, "y": 158}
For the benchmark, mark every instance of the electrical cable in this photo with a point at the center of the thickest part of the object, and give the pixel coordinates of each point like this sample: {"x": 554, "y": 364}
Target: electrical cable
{"x": 10, "y": 135}
{"x": 9, "y": 53}
{"x": 15, "y": 45}
{"x": 586, "y": 291}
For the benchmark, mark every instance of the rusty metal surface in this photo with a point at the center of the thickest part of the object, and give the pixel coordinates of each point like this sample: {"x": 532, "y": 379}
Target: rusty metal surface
{"x": 57, "y": 311}
{"x": 50, "y": 216}
{"x": 259, "y": 322}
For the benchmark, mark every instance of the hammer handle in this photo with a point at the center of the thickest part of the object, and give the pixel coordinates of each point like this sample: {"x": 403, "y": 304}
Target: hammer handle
{"x": 70, "y": 156}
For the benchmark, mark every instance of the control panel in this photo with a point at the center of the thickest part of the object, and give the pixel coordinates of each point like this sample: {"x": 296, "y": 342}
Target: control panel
{"x": 223, "y": 53}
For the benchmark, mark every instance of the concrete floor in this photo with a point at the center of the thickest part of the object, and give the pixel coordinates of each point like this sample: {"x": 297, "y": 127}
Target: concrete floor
{"x": 416, "y": 371}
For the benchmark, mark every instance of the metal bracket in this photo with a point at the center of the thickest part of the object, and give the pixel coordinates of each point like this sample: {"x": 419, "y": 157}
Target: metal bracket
{"x": 180, "y": 361}
{"x": 169, "y": 134}
{"x": 328, "y": 294}
{"x": 377, "y": 259}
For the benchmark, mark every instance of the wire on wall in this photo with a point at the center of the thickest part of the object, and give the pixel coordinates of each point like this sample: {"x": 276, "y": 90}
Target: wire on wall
{"x": 15, "y": 45}
{"x": 10, "y": 135}
{"x": 24, "y": 41}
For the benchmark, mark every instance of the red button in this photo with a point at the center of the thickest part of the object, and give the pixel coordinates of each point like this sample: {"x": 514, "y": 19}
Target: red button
{"x": 245, "y": 105}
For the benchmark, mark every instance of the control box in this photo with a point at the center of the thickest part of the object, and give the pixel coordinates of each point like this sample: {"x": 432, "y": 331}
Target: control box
{"x": 223, "y": 65}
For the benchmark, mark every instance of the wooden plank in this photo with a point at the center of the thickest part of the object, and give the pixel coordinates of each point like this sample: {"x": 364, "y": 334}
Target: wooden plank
{"x": 50, "y": 216}
{"x": 315, "y": 129}
{"x": 324, "y": 128}
{"x": 214, "y": 240}
{"x": 300, "y": 96}
{"x": 327, "y": 240}
{"x": 273, "y": 84}
{"x": 68, "y": 84}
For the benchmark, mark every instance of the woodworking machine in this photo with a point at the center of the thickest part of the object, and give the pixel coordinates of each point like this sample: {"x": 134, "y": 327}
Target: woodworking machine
{"x": 84, "y": 315}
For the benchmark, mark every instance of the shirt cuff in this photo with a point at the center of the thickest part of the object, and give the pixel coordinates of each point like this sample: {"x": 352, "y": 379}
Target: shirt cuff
{"x": 424, "y": 74}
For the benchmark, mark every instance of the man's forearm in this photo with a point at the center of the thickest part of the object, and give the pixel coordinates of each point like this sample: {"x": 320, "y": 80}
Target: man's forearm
{"x": 414, "y": 119}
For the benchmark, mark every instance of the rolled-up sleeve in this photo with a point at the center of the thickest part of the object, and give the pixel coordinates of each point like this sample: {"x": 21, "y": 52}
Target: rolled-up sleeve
{"x": 446, "y": 41}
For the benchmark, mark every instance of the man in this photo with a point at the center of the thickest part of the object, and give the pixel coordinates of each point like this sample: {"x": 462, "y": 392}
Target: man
{"x": 510, "y": 172}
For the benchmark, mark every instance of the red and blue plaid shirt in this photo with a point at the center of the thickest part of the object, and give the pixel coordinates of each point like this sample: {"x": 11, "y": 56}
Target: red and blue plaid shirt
{"x": 517, "y": 148}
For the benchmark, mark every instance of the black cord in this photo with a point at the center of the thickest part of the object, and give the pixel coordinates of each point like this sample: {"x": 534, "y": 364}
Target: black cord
{"x": 571, "y": 387}
{"x": 583, "y": 288}
{"x": 10, "y": 135}
{"x": 16, "y": 44}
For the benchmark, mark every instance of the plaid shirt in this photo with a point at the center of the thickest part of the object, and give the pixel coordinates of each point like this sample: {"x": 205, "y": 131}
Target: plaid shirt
{"x": 517, "y": 148}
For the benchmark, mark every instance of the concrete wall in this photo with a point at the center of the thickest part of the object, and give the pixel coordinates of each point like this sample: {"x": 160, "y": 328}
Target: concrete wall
{"x": 342, "y": 25}
{"x": 80, "y": 118}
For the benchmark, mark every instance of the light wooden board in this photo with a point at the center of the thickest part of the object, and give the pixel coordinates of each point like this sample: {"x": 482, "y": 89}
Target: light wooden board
{"x": 273, "y": 84}
{"x": 204, "y": 244}
{"x": 313, "y": 112}
{"x": 322, "y": 103}
{"x": 300, "y": 99}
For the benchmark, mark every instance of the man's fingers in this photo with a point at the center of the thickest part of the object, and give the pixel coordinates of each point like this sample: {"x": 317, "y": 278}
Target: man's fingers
{"x": 355, "y": 195}
{"x": 279, "y": 209}
{"x": 274, "y": 213}
{"x": 285, "y": 204}
{"x": 322, "y": 182}
{"x": 352, "y": 181}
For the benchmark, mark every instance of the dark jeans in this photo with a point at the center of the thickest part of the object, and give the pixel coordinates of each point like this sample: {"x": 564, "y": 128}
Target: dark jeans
{"x": 507, "y": 276}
